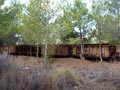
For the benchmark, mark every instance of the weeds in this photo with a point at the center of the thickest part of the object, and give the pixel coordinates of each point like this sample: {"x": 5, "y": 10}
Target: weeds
{"x": 102, "y": 77}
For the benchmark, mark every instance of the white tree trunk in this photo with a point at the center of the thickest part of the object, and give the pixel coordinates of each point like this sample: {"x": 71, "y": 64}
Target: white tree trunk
{"x": 45, "y": 54}
{"x": 81, "y": 45}
{"x": 46, "y": 65}
{"x": 100, "y": 42}
{"x": 100, "y": 46}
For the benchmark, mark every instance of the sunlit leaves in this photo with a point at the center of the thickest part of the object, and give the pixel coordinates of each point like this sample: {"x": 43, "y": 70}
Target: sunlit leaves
{"x": 9, "y": 23}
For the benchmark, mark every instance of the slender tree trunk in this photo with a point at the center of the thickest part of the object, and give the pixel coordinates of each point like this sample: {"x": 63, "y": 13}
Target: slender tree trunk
{"x": 82, "y": 52}
{"x": 30, "y": 50}
{"x": 45, "y": 54}
{"x": 81, "y": 45}
{"x": 37, "y": 51}
{"x": 100, "y": 46}
{"x": 100, "y": 42}
{"x": 118, "y": 21}
{"x": 46, "y": 65}
{"x": 9, "y": 50}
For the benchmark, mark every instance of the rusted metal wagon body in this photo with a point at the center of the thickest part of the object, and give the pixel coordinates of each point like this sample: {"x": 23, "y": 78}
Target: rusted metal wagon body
{"x": 91, "y": 50}
{"x": 75, "y": 50}
{"x": 64, "y": 50}
{"x": 3, "y": 48}
{"x": 12, "y": 50}
{"x": 29, "y": 50}
{"x": 117, "y": 55}
{"x": 58, "y": 50}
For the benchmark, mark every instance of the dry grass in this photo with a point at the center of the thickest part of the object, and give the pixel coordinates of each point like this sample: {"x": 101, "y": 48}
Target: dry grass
{"x": 26, "y": 73}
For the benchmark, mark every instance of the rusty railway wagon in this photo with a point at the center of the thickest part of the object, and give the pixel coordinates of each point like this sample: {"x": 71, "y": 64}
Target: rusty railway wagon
{"x": 91, "y": 50}
{"x": 58, "y": 50}
{"x": 27, "y": 50}
{"x": 65, "y": 50}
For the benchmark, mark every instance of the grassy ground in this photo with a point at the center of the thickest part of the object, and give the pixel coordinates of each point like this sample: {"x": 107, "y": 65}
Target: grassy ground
{"x": 27, "y": 73}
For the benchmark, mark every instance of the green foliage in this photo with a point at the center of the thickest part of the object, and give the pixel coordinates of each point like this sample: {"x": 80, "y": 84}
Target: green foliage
{"x": 46, "y": 22}
{"x": 74, "y": 16}
{"x": 2, "y": 2}
{"x": 37, "y": 25}
{"x": 9, "y": 23}
{"x": 106, "y": 21}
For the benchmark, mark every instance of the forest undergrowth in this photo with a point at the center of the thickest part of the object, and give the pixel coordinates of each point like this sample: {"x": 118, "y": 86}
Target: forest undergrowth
{"x": 93, "y": 76}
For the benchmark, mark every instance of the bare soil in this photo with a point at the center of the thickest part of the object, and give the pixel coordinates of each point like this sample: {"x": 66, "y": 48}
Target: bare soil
{"x": 93, "y": 75}
{"x": 64, "y": 62}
